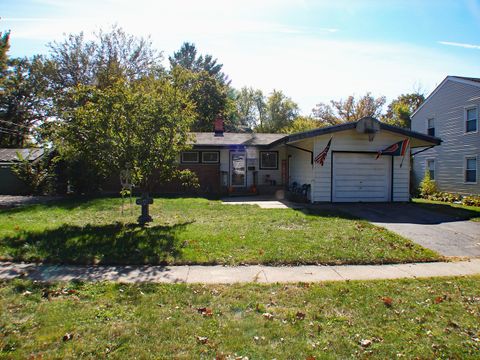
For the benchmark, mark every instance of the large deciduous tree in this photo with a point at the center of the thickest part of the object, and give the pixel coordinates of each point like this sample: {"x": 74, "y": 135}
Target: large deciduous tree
{"x": 280, "y": 112}
{"x": 349, "y": 109}
{"x": 300, "y": 124}
{"x": 140, "y": 126}
{"x": 22, "y": 105}
{"x": 401, "y": 108}
{"x": 250, "y": 107}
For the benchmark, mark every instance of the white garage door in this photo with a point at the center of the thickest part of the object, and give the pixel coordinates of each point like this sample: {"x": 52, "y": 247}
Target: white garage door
{"x": 361, "y": 177}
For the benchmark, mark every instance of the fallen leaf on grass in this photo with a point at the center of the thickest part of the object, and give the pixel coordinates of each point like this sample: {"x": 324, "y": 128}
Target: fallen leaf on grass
{"x": 26, "y": 293}
{"x": 310, "y": 358}
{"x": 268, "y": 316}
{"x": 205, "y": 311}
{"x": 387, "y": 301}
{"x": 365, "y": 343}
{"x": 67, "y": 337}
{"x": 439, "y": 299}
{"x": 300, "y": 315}
{"x": 202, "y": 339}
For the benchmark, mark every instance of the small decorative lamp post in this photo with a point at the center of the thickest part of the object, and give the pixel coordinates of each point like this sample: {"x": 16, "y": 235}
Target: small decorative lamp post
{"x": 144, "y": 202}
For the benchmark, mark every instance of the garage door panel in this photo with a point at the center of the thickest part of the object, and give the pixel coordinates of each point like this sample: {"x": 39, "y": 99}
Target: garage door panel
{"x": 361, "y": 177}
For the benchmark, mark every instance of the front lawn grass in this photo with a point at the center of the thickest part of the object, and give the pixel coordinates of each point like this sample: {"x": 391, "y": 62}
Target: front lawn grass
{"x": 195, "y": 231}
{"x": 458, "y": 211}
{"x": 427, "y": 319}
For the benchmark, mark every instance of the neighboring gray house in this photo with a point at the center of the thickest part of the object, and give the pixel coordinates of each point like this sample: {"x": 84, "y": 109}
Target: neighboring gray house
{"x": 451, "y": 113}
{"x": 10, "y": 184}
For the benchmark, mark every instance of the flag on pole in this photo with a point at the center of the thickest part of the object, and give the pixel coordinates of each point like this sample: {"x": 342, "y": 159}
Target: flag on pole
{"x": 320, "y": 158}
{"x": 397, "y": 149}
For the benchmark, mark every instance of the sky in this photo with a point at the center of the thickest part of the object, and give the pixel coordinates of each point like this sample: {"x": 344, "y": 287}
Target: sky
{"x": 314, "y": 51}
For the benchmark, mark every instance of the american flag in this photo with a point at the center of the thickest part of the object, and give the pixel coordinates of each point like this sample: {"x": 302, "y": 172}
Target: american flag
{"x": 320, "y": 159}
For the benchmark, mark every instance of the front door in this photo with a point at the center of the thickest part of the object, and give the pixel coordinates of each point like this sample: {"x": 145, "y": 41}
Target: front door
{"x": 238, "y": 174}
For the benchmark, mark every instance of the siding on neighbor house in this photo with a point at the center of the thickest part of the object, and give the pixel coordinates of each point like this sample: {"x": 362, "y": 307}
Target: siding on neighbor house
{"x": 447, "y": 108}
{"x": 351, "y": 140}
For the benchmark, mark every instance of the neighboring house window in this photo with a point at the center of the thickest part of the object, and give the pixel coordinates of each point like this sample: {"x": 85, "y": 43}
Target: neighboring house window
{"x": 431, "y": 168}
{"x": 269, "y": 160}
{"x": 471, "y": 120}
{"x": 431, "y": 127}
{"x": 190, "y": 157}
{"x": 471, "y": 169}
{"x": 210, "y": 157}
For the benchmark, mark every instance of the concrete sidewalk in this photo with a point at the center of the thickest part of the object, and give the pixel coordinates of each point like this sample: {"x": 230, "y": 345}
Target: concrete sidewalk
{"x": 236, "y": 274}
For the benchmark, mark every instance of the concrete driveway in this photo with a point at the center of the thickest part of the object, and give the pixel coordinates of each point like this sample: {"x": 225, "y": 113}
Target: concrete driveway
{"x": 447, "y": 235}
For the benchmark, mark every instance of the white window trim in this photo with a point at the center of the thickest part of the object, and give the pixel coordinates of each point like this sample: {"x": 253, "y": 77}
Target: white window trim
{"x": 189, "y": 162}
{"x": 427, "y": 168}
{"x": 211, "y": 162}
{"x": 467, "y": 157}
{"x": 465, "y": 119}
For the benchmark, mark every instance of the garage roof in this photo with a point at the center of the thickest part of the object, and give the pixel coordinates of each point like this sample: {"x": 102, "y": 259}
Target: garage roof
{"x": 426, "y": 140}
{"x": 10, "y": 155}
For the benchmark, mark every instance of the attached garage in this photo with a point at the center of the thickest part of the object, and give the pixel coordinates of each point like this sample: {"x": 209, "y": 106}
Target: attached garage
{"x": 340, "y": 163}
{"x": 360, "y": 177}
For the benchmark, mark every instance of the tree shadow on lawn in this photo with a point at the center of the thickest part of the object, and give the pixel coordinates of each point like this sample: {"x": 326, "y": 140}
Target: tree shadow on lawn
{"x": 113, "y": 244}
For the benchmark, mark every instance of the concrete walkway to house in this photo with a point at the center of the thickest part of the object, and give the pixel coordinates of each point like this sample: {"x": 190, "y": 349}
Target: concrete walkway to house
{"x": 264, "y": 202}
{"x": 235, "y": 274}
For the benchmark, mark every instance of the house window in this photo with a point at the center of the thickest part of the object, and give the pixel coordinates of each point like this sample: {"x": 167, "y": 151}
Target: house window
{"x": 431, "y": 168}
{"x": 210, "y": 157}
{"x": 269, "y": 160}
{"x": 190, "y": 157}
{"x": 471, "y": 169}
{"x": 471, "y": 120}
{"x": 431, "y": 127}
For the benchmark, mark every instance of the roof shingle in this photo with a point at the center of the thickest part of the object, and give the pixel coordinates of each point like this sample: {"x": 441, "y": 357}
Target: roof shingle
{"x": 10, "y": 155}
{"x": 246, "y": 139}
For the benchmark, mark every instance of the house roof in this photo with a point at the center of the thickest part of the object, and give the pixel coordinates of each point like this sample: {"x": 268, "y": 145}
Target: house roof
{"x": 10, "y": 155}
{"x": 352, "y": 125}
{"x": 235, "y": 139}
{"x": 459, "y": 79}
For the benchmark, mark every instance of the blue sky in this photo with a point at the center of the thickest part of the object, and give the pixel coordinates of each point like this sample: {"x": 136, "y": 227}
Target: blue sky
{"x": 314, "y": 51}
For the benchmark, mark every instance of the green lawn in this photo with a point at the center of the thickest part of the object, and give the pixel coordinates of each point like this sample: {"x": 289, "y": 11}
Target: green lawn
{"x": 455, "y": 210}
{"x": 196, "y": 231}
{"x": 429, "y": 318}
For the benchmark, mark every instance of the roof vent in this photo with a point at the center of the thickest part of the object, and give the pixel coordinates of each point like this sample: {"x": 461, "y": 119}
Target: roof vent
{"x": 368, "y": 125}
{"x": 219, "y": 127}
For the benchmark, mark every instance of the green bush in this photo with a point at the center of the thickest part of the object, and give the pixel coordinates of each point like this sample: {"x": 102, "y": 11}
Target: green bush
{"x": 38, "y": 175}
{"x": 427, "y": 186}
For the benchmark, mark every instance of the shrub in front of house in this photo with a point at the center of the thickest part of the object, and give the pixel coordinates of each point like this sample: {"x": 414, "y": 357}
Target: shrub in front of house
{"x": 427, "y": 186}
{"x": 445, "y": 196}
{"x": 471, "y": 200}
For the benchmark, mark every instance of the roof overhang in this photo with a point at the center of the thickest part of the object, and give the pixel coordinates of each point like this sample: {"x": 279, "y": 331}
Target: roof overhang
{"x": 416, "y": 139}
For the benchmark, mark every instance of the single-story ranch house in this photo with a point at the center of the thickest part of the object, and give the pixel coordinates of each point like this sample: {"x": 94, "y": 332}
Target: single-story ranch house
{"x": 363, "y": 161}
{"x": 334, "y": 164}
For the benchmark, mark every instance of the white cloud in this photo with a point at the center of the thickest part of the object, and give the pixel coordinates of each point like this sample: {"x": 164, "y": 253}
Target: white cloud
{"x": 463, "y": 45}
